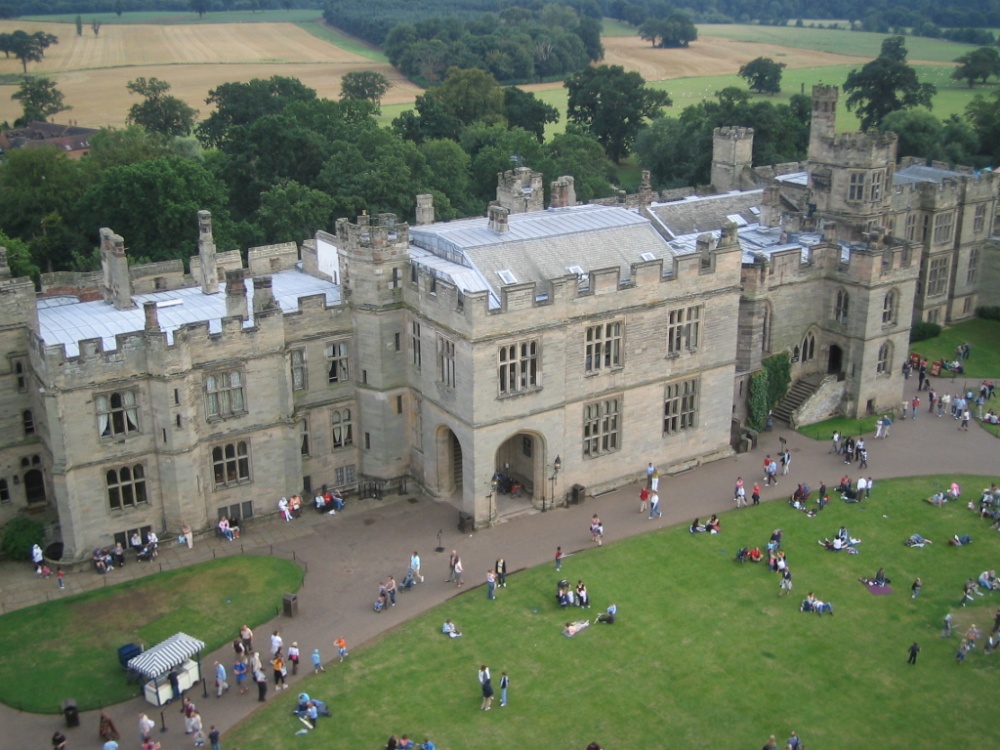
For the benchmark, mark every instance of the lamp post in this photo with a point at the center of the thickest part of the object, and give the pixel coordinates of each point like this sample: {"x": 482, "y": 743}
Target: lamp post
{"x": 493, "y": 491}
{"x": 556, "y": 466}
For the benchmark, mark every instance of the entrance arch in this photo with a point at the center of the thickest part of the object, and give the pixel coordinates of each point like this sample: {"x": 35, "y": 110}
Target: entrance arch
{"x": 34, "y": 487}
{"x": 449, "y": 462}
{"x": 836, "y": 362}
{"x": 520, "y": 459}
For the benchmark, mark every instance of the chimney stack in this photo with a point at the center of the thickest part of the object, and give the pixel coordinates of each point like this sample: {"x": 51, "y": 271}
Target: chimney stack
{"x": 425, "y": 209}
{"x": 498, "y": 216}
{"x": 116, "y": 285}
{"x": 206, "y": 251}
{"x": 263, "y": 295}
{"x": 152, "y": 318}
{"x": 563, "y": 192}
{"x": 236, "y": 294}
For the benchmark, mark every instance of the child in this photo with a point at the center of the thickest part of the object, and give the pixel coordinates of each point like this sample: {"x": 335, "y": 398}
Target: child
{"x": 558, "y": 558}
{"x": 504, "y": 682}
{"x": 317, "y": 662}
{"x": 293, "y": 656}
{"x": 60, "y": 577}
{"x": 341, "y": 645}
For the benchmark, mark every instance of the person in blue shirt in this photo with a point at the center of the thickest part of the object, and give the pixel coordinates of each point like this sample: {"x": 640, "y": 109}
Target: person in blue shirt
{"x": 609, "y": 616}
{"x": 427, "y": 744}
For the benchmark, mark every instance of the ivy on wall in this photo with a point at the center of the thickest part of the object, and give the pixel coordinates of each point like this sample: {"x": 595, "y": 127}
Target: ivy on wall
{"x": 779, "y": 377}
{"x": 758, "y": 403}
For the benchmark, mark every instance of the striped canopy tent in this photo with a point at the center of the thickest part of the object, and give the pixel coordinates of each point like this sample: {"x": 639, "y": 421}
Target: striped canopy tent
{"x": 164, "y": 656}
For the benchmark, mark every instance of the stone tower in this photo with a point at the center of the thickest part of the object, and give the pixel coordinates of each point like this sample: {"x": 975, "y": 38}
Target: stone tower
{"x": 116, "y": 283}
{"x": 732, "y": 155}
{"x": 824, "y": 115}
{"x": 206, "y": 251}
{"x": 520, "y": 190}
{"x": 374, "y": 267}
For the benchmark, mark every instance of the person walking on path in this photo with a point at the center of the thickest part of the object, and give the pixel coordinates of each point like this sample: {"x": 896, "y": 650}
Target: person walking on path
{"x": 390, "y": 589}
{"x": 214, "y": 735}
{"x": 559, "y": 557}
{"x": 643, "y": 499}
{"x": 596, "y": 530}
{"x": 415, "y": 567}
{"x": 317, "y": 662}
{"x": 504, "y": 684}
{"x": 60, "y": 578}
{"x": 221, "y": 684}
{"x": 650, "y": 470}
{"x": 786, "y": 582}
{"x": 341, "y": 646}
{"x": 916, "y": 407}
{"x": 458, "y": 573}
{"x": 836, "y": 442}
{"x": 654, "y": 506}
{"x": 755, "y": 495}
{"x": 246, "y": 635}
{"x": 240, "y": 672}
{"x": 452, "y": 562}
{"x": 146, "y": 727}
{"x": 276, "y": 643}
{"x": 293, "y": 656}
{"x": 261, "y": 679}
{"x": 740, "y": 493}
{"x": 914, "y": 650}
{"x": 278, "y": 663}
{"x": 654, "y": 482}
{"x": 786, "y": 461}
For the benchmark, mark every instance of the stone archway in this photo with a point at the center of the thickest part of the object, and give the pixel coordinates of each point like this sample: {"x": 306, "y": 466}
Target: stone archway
{"x": 520, "y": 459}
{"x": 34, "y": 487}
{"x": 449, "y": 468}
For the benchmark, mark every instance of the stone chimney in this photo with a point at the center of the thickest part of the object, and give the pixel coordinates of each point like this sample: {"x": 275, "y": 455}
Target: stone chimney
{"x": 236, "y": 294}
{"x": 645, "y": 189}
{"x": 425, "y": 209}
{"x": 498, "y": 216}
{"x": 829, "y": 231}
{"x": 152, "y": 318}
{"x": 263, "y": 295}
{"x": 4, "y": 267}
{"x": 116, "y": 284}
{"x": 206, "y": 251}
{"x": 563, "y": 192}
{"x": 770, "y": 207}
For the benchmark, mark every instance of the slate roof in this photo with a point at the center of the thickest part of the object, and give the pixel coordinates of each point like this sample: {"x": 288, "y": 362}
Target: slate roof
{"x": 538, "y": 246}
{"x": 67, "y": 320}
{"x": 700, "y": 213}
{"x": 917, "y": 173}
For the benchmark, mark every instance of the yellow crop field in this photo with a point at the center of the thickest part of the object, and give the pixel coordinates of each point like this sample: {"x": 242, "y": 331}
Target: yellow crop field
{"x": 92, "y": 71}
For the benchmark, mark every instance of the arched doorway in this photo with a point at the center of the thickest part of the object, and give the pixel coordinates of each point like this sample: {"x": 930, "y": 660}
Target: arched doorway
{"x": 836, "y": 360}
{"x": 34, "y": 487}
{"x": 518, "y": 464}
{"x": 449, "y": 462}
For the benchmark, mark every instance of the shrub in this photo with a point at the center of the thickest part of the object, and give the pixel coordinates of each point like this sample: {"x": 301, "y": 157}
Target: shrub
{"x": 923, "y": 331}
{"x": 988, "y": 313}
{"x": 757, "y": 400}
{"x": 18, "y": 536}
{"x": 779, "y": 377}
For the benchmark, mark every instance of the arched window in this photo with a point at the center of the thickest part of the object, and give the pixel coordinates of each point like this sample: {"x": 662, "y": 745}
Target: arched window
{"x": 889, "y": 307}
{"x": 809, "y": 347}
{"x": 884, "y": 366}
{"x": 840, "y": 309}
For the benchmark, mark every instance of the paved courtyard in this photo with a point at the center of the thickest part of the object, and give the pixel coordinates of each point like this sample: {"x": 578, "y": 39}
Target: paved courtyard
{"x": 347, "y": 554}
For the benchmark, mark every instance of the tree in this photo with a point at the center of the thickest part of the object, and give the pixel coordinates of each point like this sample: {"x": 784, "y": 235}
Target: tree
{"x": 40, "y": 99}
{"x": 983, "y": 113}
{"x": 119, "y": 8}
{"x": 977, "y": 65}
{"x": 922, "y": 135}
{"x": 201, "y": 7}
{"x": 159, "y": 112}
{"x": 19, "y": 257}
{"x": 886, "y": 84}
{"x": 79, "y": 26}
{"x": 525, "y": 110}
{"x": 614, "y": 105}
{"x": 31, "y": 47}
{"x": 365, "y": 85}
{"x": 290, "y": 211}
{"x": 763, "y": 75}
{"x": 240, "y": 104}
{"x": 95, "y": 26}
{"x": 116, "y": 148}
{"x": 676, "y": 30}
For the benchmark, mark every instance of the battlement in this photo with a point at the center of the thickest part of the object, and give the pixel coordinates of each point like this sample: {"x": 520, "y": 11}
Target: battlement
{"x": 861, "y": 150}
{"x": 266, "y": 259}
{"x": 374, "y": 239}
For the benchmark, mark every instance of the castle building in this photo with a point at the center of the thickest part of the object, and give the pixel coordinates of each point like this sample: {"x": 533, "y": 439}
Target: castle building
{"x": 560, "y": 349}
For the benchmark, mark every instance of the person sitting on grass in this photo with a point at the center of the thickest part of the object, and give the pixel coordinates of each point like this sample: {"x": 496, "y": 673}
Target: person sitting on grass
{"x": 833, "y": 545}
{"x": 608, "y": 617}
{"x": 960, "y": 541}
{"x": 572, "y": 628}
{"x": 916, "y": 540}
{"x": 713, "y": 525}
{"x": 819, "y": 607}
{"x": 450, "y": 630}
{"x": 755, "y": 555}
{"x": 697, "y": 527}
{"x": 878, "y": 580}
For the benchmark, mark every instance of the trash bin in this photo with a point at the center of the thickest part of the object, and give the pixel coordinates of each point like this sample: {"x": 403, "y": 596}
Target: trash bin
{"x": 71, "y": 712}
{"x": 291, "y": 605}
{"x": 466, "y": 521}
{"x": 577, "y": 494}
{"x": 128, "y": 652}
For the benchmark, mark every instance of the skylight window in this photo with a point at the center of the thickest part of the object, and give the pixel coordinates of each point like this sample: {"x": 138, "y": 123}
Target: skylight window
{"x": 506, "y": 277}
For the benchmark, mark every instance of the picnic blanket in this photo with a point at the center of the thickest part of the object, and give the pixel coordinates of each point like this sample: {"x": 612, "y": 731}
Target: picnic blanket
{"x": 876, "y": 590}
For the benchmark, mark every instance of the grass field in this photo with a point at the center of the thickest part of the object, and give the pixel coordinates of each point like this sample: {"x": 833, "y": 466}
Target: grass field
{"x": 705, "y": 654}
{"x": 161, "y": 18}
{"x": 846, "y": 427}
{"x": 70, "y": 647}
{"x": 984, "y": 338}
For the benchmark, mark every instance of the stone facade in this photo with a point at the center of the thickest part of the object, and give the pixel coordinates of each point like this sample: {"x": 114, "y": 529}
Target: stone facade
{"x": 443, "y": 353}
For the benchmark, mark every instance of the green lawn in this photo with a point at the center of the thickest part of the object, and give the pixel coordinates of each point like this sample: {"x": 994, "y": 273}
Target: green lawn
{"x": 69, "y": 648}
{"x": 320, "y": 30}
{"x": 704, "y": 652}
{"x": 982, "y": 335}
{"x": 846, "y": 427}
